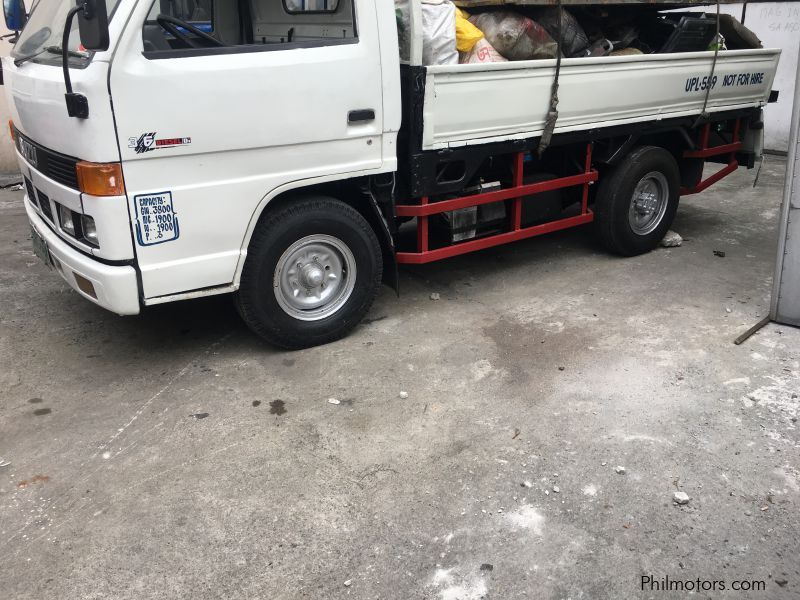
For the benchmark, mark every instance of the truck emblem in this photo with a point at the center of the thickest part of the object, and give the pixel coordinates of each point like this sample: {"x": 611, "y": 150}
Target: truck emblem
{"x": 28, "y": 152}
{"x": 147, "y": 142}
{"x": 144, "y": 143}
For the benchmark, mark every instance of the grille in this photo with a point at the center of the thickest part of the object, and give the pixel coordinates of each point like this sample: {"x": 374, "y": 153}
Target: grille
{"x": 63, "y": 171}
{"x": 29, "y": 189}
{"x": 44, "y": 204}
{"x": 56, "y": 166}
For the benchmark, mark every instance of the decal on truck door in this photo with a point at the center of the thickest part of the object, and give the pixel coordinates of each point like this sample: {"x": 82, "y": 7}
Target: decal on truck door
{"x": 156, "y": 221}
{"x": 147, "y": 142}
{"x": 144, "y": 143}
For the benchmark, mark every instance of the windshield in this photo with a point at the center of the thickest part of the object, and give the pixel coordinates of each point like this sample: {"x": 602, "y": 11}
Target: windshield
{"x": 45, "y": 28}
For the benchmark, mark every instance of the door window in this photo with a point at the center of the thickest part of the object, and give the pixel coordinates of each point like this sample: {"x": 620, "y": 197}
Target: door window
{"x": 300, "y": 6}
{"x": 186, "y": 10}
{"x": 195, "y": 27}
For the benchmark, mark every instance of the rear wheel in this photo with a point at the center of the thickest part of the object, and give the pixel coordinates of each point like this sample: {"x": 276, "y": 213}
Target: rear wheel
{"x": 313, "y": 269}
{"x": 636, "y": 203}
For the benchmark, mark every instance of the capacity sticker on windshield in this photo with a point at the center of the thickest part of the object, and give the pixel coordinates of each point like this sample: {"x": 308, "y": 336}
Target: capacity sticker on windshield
{"x": 156, "y": 221}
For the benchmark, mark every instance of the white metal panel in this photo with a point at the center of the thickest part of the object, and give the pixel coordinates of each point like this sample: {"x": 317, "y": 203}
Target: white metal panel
{"x": 470, "y": 104}
{"x": 36, "y": 101}
{"x": 390, "y": 81}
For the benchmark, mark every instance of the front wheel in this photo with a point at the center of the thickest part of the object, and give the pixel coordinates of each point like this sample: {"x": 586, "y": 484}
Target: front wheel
{"x": 636, "y": 203}
{"x": 313, "y": 270}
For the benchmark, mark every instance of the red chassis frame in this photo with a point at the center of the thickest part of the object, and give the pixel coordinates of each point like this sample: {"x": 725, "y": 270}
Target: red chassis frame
{"x": 704, "y": 152}
{"x": 424, "y": 254}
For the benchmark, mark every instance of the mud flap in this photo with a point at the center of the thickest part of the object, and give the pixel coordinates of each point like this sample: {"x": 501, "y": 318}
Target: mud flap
{"x": 381, "y": 200}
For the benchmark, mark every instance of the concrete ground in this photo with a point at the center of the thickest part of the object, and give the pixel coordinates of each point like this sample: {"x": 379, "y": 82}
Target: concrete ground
{"x": 173, "y": 455}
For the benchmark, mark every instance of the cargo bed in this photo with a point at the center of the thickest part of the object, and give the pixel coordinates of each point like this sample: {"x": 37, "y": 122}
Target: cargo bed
{"x": 483, "y": 103}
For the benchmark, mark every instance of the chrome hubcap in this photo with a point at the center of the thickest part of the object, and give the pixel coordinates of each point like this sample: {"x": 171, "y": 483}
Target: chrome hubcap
{"x": 315, "y": 277}
{"x": 649, "y": 203}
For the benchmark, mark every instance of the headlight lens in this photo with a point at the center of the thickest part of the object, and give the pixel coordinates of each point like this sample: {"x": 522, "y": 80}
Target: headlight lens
{"x": 89, "y": 231}
{"x": 66, "y": 220}
{"x": 79, "y": 226}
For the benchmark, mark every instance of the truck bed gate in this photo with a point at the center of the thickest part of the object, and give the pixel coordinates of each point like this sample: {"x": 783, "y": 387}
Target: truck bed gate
{"x": 516, "y": 193}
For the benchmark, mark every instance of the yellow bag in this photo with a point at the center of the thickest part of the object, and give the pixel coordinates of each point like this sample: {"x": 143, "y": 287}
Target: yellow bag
{"x": 467, "y": 35}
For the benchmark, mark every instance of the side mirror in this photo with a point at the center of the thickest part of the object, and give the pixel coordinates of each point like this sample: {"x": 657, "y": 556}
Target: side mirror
{"x": 15, "y": 14}
{"x": 93, "y": 24}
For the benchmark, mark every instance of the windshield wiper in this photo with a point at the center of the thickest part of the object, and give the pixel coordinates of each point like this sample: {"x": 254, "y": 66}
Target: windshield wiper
{"x": 24, "y": 59}
{"x": 60, "y": 50}
{"x": 51, "y": 50}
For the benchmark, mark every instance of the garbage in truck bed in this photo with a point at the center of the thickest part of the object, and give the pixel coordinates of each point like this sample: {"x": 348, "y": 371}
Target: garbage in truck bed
{"x": 498, "y": 34}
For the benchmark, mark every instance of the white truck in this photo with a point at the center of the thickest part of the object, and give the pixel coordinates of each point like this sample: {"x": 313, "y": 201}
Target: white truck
{"x": 282, "y": 151}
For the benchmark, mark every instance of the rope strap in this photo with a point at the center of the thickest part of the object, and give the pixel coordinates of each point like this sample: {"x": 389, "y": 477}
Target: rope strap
{"x": 552, "y": 113}
{"x": 704, "y": 115}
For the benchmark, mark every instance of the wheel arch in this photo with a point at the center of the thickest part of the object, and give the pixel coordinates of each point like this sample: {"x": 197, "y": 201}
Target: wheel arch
{"x": 613, "y": 200}
{"x": 353, "y": 191}
{"x": 675, "y": 140}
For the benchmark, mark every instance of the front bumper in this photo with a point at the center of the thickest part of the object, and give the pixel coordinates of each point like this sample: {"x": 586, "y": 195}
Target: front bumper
{"x": 115, "y": 288}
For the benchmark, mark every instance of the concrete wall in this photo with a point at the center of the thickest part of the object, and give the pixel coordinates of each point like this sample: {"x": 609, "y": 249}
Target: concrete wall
{"x": 778, "y": 26}
{"x": 8, "y": 161}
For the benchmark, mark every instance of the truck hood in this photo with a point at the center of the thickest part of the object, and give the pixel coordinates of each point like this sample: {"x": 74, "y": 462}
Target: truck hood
{"x": 35, "y": 94}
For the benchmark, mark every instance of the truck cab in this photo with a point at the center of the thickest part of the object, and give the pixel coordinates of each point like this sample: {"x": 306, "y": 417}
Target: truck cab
{"x": 200, "y": 114}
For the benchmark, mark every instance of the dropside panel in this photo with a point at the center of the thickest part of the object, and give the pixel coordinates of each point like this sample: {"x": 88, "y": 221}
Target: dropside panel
{"x": 474, "y": 104}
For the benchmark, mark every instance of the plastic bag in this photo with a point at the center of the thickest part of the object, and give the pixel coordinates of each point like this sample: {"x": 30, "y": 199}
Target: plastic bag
{"x": 573, "y": 38}
{"x": 514, "y": 36}
{"x": 467, "y": 35}
{"x": 482, "y": 52}
{"x": 439, "y": 33}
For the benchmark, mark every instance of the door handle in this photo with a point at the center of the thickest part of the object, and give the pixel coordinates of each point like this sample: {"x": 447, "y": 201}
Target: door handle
{"x": 360, "y": 116}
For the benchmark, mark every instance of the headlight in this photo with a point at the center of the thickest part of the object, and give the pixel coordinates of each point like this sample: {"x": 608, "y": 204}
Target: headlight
{"x": 79, "y": 226}
{"x": 89, "y": 231}
{"x": 66, "y": 221}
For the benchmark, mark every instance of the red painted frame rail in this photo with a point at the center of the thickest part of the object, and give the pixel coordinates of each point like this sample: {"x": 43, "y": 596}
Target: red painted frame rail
{"x": 705, "y": 151}
{"x": 516, "y": 193}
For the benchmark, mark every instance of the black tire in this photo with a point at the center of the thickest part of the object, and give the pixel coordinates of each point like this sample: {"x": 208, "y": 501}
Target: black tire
{"x": 615, "y": 197}
{"x": 281, "y": 230}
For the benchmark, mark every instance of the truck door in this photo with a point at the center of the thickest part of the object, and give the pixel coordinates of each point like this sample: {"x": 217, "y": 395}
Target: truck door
{"x": 219, "y": 103}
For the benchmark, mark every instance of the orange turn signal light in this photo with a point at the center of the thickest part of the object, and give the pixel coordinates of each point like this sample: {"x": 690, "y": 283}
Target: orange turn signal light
{"x": 100, "y": 179}
{"x": 11, "y": 130}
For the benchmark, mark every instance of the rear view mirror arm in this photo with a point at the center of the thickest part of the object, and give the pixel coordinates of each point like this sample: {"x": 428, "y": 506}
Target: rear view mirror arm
{"x": 77, "y": 104}
{"x": 16, "y": 16}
